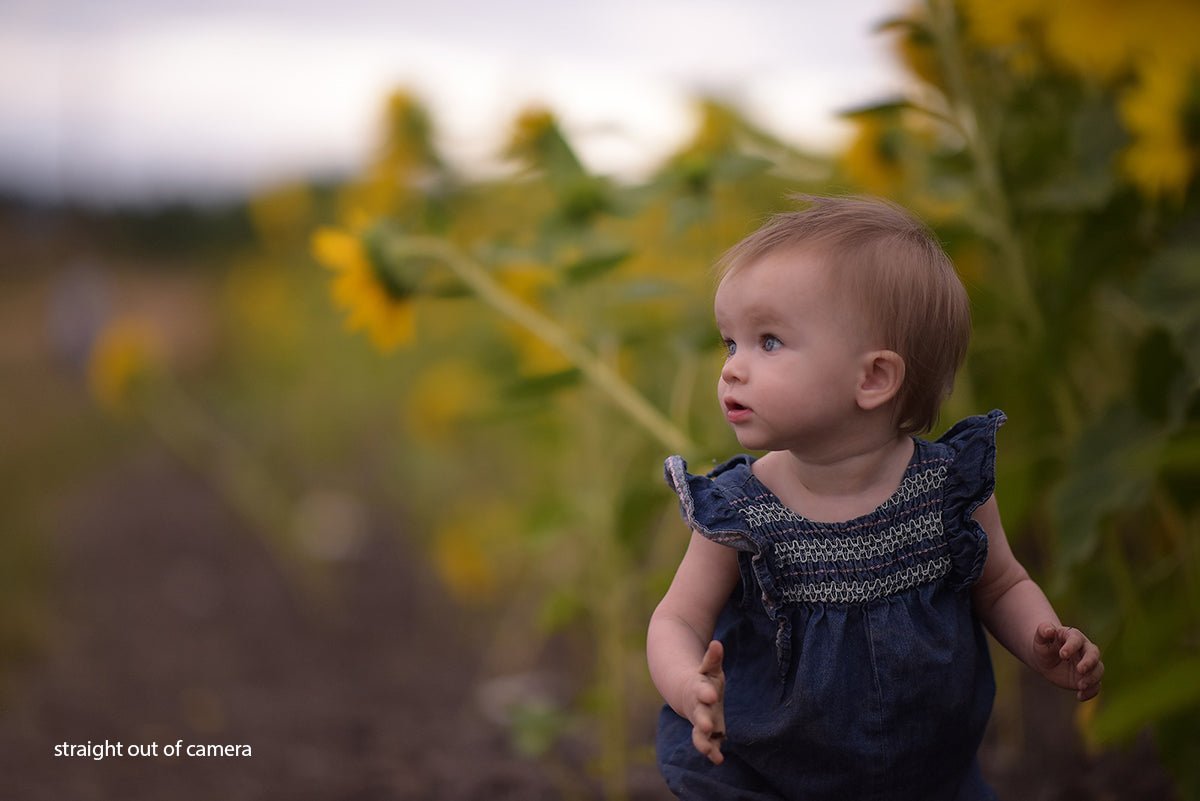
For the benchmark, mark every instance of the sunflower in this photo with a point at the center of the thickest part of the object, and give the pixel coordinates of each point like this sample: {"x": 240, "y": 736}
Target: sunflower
{"x": 123, "y": 352}
{"x": 442, "y": 397}
{"x": 1158, "y": 159}
{"x": 469, "y": 550}
{"x": 529, "y": 281}
{"x": 873, "y": 159}
{"x": 1096, "y": 38}
{"x": 374, "y": 298}
{"x": 1158, "y": 166}
{"x": 999, "y": 23}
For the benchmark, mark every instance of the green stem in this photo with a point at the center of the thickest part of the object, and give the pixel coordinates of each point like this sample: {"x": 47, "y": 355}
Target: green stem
{"x": 600, "y": 374}
{"x": 983, "y": 153}
{"x": 685, "y": 380}
{"x": 200, "y": 442}
{"x": 607, "y": 593}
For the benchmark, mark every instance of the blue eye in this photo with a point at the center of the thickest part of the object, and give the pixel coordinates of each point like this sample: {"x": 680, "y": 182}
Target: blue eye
{"x": 770, "y": 343}
{"x": 730, "y": 347}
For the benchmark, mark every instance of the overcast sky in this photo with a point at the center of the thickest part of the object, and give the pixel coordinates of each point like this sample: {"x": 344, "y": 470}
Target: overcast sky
{"x": 130, "y": 99}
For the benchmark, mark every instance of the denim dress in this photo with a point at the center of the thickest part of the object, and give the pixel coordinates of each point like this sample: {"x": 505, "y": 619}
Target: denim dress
{"x": 855, "y": 667}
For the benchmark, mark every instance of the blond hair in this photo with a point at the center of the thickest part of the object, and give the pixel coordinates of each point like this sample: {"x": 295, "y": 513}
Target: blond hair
{"x": 906, "y": 287}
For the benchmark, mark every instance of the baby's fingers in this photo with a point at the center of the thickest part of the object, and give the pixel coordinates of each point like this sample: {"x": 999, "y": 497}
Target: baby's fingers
{"x": 1046, "y": 634}
{"x": 709, "y": 747}
{"x": 708, "y": 721}
{"x": 1089, "y": 685}
{"x": 1089, "y": 661}
{"x": 712, "y": 676}
{"x": 710, "y": 665}
{"x": 1088, "y": 692}
{"x": 1073, "y": 643}
{"x": 708, "y": 693}
{"x": 707, "y": 735}
{"x": 1089, "y": 671}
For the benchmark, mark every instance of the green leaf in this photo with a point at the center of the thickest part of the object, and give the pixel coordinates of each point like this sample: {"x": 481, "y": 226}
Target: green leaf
{"x": 582, "y": 199}
{"x": 688, "y": 211}
{"x": 881, "y": 107}
{"x": 1173, "y": 690}
{"x": 595, "y": 264}
{"x": 637, "y": 508}
{"x": 1160, "y": 383}
{"x": 536, "y": 726}
{"x": 647, "y": 289}
{"x": 1169, "y": 291}
{"x": 739, "y": 166}
{"x": 1084, "y": 179}
{"x": 1112, "y": 468}
{"x": 449, "y": 288}
{"x": 560, "y": 611}
{"x": 545, "y": 384}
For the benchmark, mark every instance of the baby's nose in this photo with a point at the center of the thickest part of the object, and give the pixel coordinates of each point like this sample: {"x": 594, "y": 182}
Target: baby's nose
{"x": 732, "y": 371}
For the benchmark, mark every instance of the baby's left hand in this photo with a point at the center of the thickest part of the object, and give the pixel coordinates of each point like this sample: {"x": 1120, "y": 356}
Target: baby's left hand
{"x": 1069, "y": 659}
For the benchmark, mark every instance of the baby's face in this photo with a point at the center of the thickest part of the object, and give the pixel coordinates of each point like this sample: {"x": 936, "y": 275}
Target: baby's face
{"x": 794, "y": 353}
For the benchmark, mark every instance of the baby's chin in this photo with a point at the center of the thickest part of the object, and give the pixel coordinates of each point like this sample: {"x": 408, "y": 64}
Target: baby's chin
{"x": 751, "y": 442}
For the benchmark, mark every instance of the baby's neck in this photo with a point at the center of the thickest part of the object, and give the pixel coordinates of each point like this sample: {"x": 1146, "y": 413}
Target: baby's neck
{"x": 839, "y": 486}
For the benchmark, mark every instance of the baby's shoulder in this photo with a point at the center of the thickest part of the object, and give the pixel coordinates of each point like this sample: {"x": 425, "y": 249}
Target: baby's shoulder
{"x": 710, "y": 503}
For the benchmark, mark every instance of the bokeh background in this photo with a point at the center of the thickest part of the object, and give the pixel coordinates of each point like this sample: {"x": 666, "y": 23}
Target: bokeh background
{"x": 340, "y": 356}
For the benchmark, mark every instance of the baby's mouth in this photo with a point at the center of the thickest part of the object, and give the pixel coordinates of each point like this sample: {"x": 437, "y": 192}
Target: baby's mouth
{"x": 735, "y": 412}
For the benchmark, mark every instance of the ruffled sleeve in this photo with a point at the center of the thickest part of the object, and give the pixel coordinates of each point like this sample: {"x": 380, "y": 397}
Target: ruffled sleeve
{"x": 970, "y": 480}
{"x": 704, "y": 505}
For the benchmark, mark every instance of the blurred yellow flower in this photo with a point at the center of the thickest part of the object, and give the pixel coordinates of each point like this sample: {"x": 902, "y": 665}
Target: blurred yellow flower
{"x": 1167, "y": 30}
{"x": 1092, "y": 37}
{"x": 1158, "y": 160}
{"x": 466, "y": 550}
{"x": 970, "y": 260}
{"x": 406, "y": 163}
{"x": 442, "y": 396}
{"x": 1085, "y": 717}
{"x": 280, "y": 214}
{"x": 999, "y": 23}
{"x": 530, "y": 133}
{"x": 872, "y": 160}
{"x": 917, "y": 50}
{"x": 374, "y": 300}
{"x": 376, "y": 193}
{"x": 258, "y": 296}
{"x": 408, "y": 141}
{"x": 124, "y": 351}
{"x": 716, "y": 130}
{"x": 528, "y": 281}
{"x": 1158, "y": 165}
{"x": 1151, "y": 107}
{"x": 534, "y": 356}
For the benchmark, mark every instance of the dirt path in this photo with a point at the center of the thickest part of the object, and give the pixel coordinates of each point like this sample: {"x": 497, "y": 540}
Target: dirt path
{"x": 170, "y": 622}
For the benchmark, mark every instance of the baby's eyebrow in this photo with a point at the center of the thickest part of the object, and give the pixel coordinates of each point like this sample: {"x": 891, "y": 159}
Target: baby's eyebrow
{"x": 756, "y": 316}
{"x": 763, "y": 316}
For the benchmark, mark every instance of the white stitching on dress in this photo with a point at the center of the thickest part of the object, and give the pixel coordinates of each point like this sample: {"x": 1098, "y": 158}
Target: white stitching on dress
{"x": 869, "y": 546}
{"x": 913, "y": 486}
{"x": 917, "y": 484}
{"x": 857, "y": 592}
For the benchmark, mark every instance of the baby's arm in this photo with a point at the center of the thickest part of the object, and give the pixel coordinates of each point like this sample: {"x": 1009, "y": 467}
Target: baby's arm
{"x": 1019, "y": 616}
{"x": 685, "y": 662}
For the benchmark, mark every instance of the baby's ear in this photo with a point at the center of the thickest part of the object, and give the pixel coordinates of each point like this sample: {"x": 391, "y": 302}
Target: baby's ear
{"x": 882, "y": 377}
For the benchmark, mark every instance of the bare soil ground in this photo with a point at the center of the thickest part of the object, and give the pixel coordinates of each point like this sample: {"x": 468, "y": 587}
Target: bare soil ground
{"x": 171, "y": 622}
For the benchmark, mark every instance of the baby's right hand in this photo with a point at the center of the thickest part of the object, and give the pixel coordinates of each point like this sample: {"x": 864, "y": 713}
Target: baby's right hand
{"x": 706, "y": 695}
